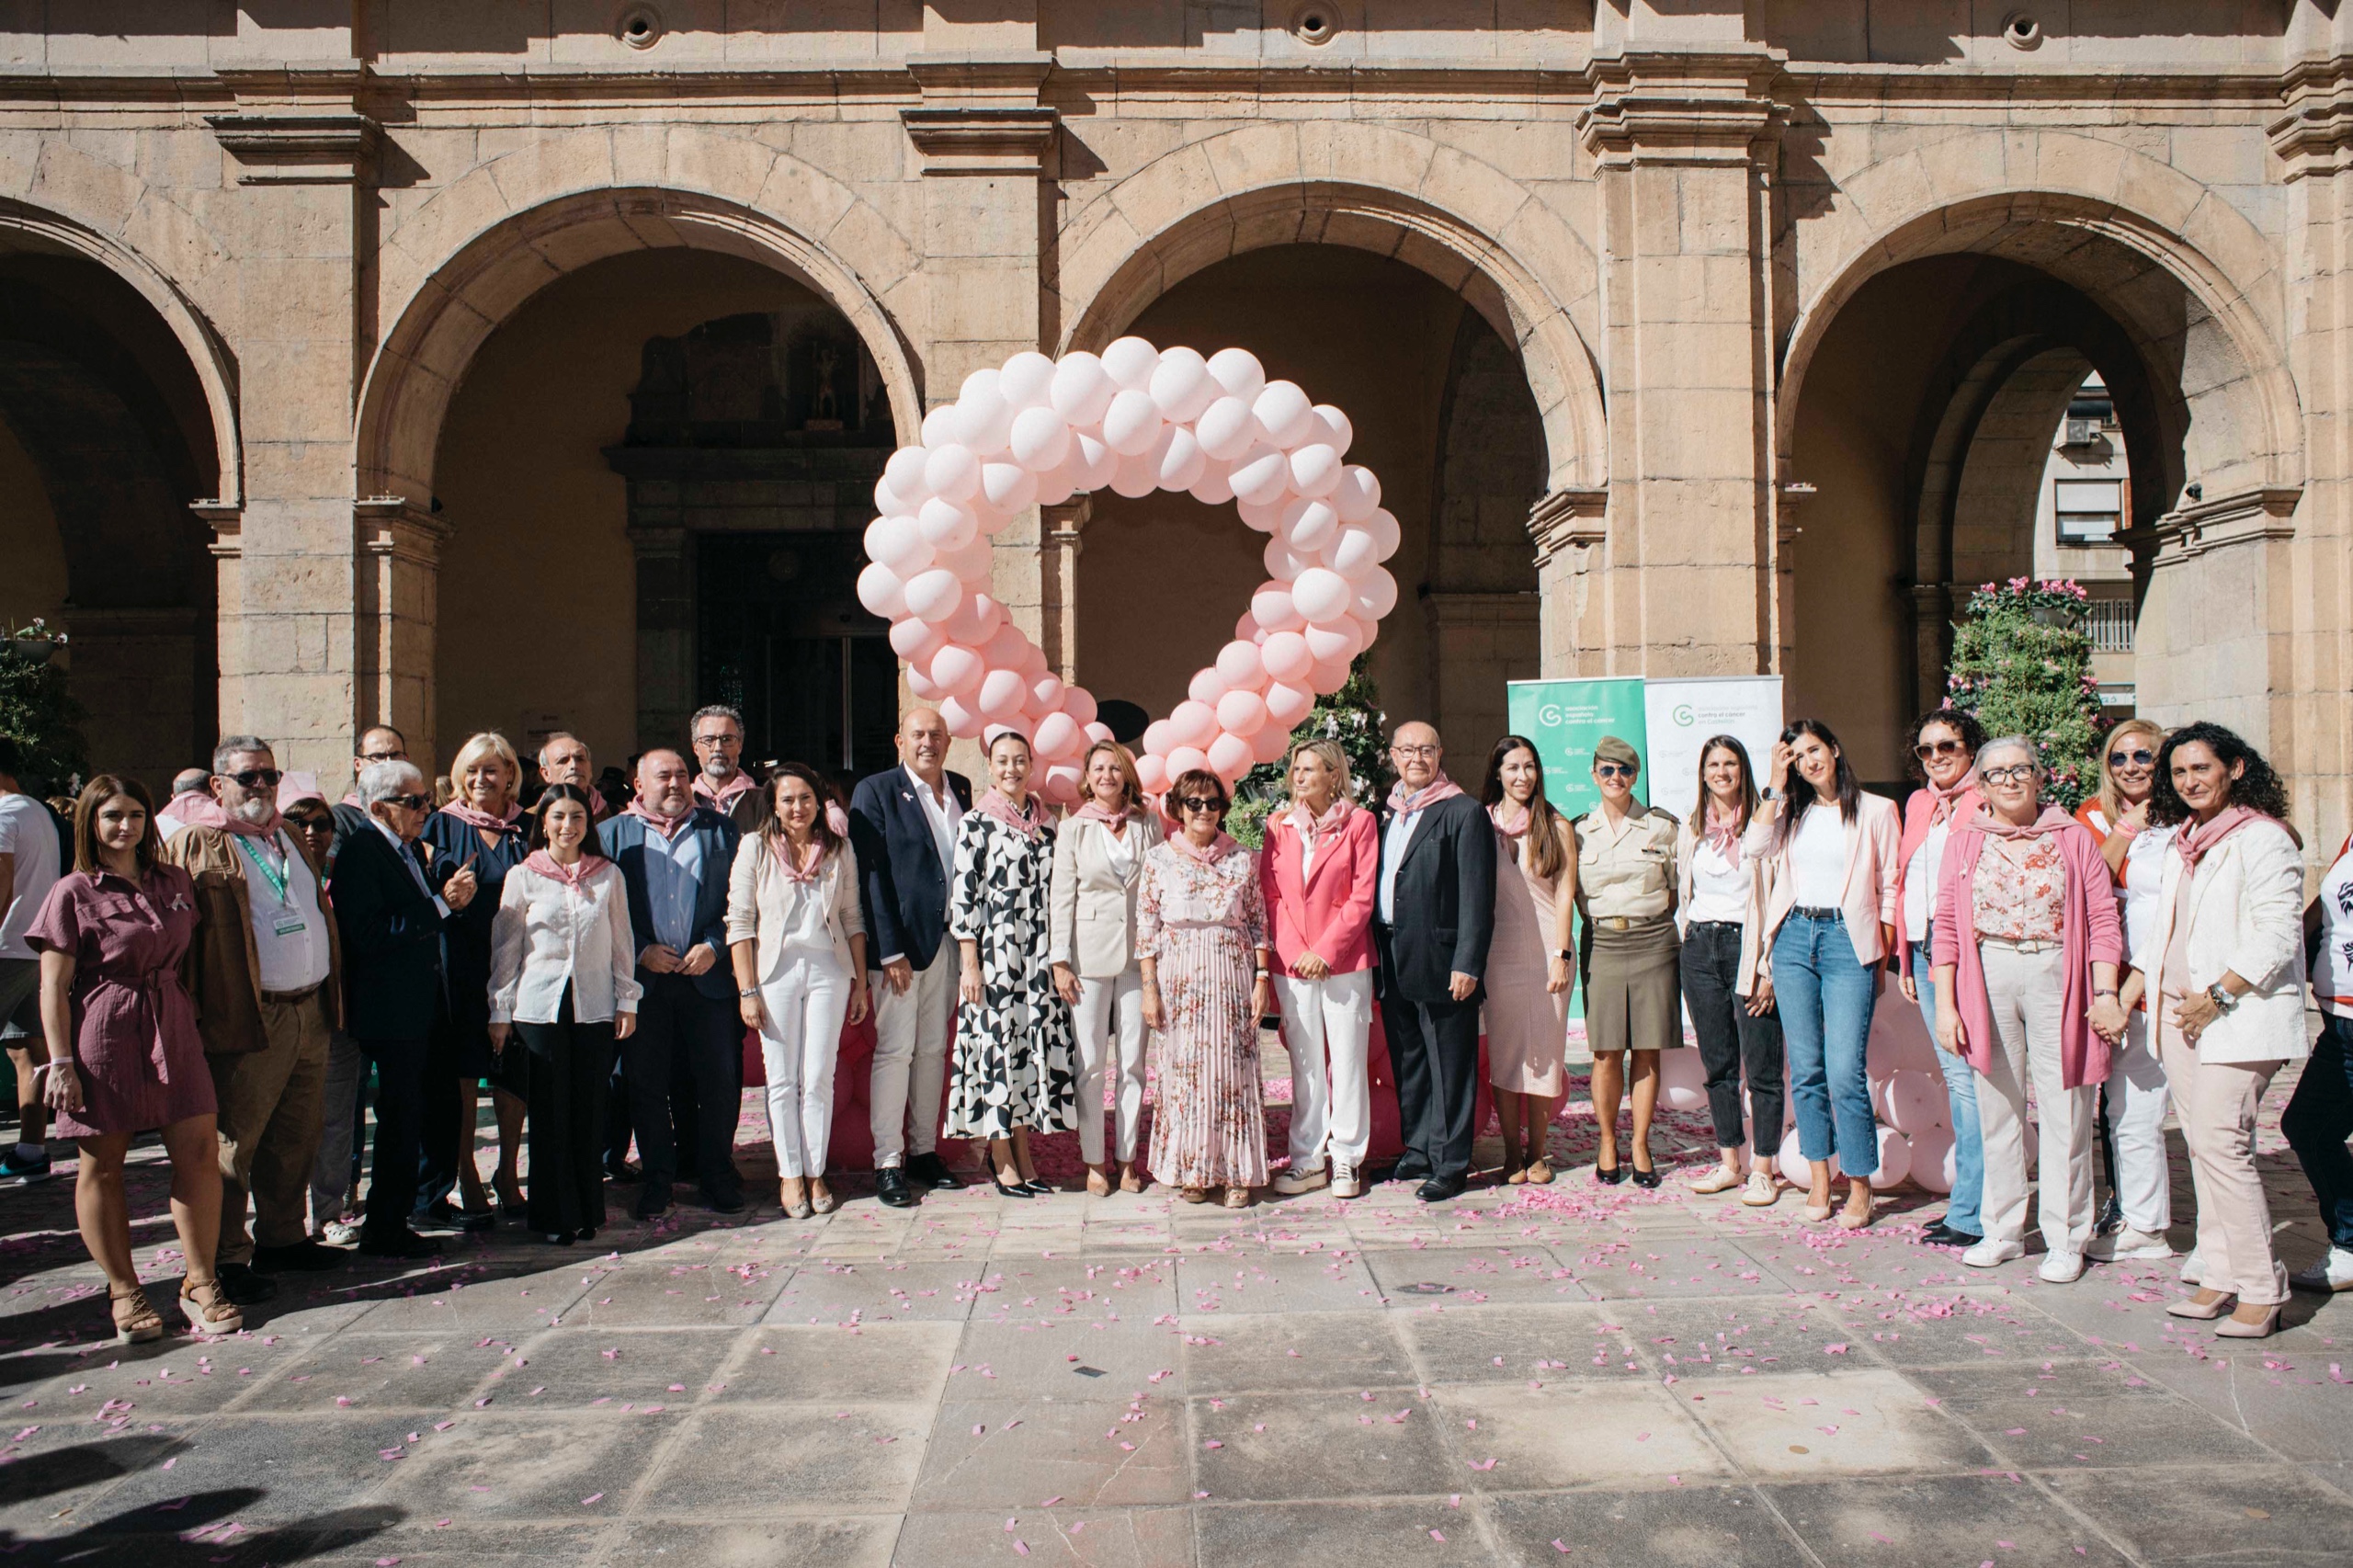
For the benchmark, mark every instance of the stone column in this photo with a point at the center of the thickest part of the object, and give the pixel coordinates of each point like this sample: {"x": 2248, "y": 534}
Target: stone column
{"x": 1682, "y": 141}
{"x": 397, "y": 599}
{"x": 2217, "y": 636}
{"x": 1569, "y": 527}
{"x": 1058, "y": 557}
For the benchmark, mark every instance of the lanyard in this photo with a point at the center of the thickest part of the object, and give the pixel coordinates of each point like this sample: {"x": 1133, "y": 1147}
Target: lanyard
{"x": 275, "y": 876}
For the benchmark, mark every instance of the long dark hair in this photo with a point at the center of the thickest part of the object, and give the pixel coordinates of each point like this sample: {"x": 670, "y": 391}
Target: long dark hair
{"x": 579, "y": 797}
{"x": 1747, "y": 783}
{"x": 1965, "y": 725}
{"x": 2259, "y": 788}
{"x": 821, "y": 828}
{"x": 96, "y": 793}
{"x": 1800, "y": 794}
{"x": 1543, "y": 822}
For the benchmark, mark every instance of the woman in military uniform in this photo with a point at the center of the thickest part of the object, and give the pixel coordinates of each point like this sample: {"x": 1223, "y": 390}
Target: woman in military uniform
{"x": 1625, "y": 884}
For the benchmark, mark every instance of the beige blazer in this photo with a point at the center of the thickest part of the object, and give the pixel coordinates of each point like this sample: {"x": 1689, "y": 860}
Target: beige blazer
{"x": 1091, "y": 909}
{"x": 758, "y": 890}
{"x": 2247, "y": 917}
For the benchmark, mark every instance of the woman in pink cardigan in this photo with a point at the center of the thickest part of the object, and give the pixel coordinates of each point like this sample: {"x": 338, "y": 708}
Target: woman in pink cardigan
{"x": 1318, "y": 869}
{"x": 2026, "y": 948}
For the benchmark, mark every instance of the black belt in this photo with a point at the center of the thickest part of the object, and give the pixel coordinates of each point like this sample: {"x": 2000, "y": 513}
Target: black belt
{"x": 1819, "y": 912}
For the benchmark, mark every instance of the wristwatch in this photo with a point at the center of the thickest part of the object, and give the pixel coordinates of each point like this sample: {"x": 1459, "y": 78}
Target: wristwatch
{"x": 1567, "y": 954}
{"x": 2223, "y": 1000}
{"x": 748, "y": 991}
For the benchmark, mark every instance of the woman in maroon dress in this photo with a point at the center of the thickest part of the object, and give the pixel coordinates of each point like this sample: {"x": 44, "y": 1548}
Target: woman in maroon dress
{"x": 123, "y": 1052}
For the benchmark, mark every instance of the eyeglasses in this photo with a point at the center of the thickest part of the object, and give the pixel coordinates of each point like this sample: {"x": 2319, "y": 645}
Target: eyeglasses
{"x": 383, "y": 757}
{"x": 1202, "y": 803}
{"x": 255, "y": 779}
{"x": 716, "y": 740}
{"x": 2023, "y": 773}
{"x": 1415, "y": 751}
{"x": 1927, "y": 749}
{"x": 1614, "y": 770}
{"x": 414, "y": 802}
{"x": 2131, "y": 758}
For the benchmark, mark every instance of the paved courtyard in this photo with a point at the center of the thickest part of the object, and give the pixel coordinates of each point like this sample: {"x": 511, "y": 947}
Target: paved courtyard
{"x": 1569, "y": 1374}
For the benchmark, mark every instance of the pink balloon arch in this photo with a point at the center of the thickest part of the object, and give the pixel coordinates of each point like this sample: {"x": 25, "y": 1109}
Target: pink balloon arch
{"x": 1135, "y": 419}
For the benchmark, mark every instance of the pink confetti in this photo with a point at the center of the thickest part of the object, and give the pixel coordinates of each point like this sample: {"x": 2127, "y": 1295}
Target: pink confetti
{"x": 592, "y": 1497}
{"x": 1051, "y": 1501}
{"x": 1558, "y": 1547}
{"x": 1482, "y": 1464}
{"x": 1212, "y": 1443}
{"x": 1020, "y": 1546}
{"x": 1437, "y": 1536}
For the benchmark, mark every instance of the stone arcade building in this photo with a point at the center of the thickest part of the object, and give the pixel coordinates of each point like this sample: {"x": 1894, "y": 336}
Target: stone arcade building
{"x": 485, "y": 362}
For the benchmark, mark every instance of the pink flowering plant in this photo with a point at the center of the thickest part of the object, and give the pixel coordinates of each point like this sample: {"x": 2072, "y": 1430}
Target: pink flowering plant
{"x": 2021, "y": 662}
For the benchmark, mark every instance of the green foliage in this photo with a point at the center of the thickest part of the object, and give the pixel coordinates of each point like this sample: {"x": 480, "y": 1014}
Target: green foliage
{"x": 38, "y": 714}
{"x": 2022, "y": 662}
{"x": 1352, "y": 716}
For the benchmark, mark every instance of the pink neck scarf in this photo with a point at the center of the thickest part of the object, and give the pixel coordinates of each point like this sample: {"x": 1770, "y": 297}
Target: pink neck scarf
{"x": 666, "y": 827}
{"x": 1515, "y": 830}
{"x": 1209, "y": 854}
{"x": 203, "y": 810}
{"x": 2197, "y": 839}
{"x": 571, "y": 876}
{"x": 740, "y": 784}
{"x": 1312, "y": 827}
{"x": 1723, "y": 830}
{"x": 1029, "y": 819}
{"x": 488, "y": 822}
{"x": 1993, "y": 825}
{"x": 1093, "y": 810}
{"x": 1943, "y": 804}
{"x": 806, "y": 867}
{"x": 1405, "y": 803}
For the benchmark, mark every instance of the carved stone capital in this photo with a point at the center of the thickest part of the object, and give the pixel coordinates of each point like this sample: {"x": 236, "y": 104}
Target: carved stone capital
{"x": 1061, "y": 525}
{"x": 1566, "y": 520}
{"x": 294, "y": 148}
{"x": 2316, "y": 136}
{"x": 2249, "y": 516}
{"x": 981, "y": 115}
{"x": 1680, "y": 106}
{"x": 393, "y": 528}
{"x": 226, "y": 520}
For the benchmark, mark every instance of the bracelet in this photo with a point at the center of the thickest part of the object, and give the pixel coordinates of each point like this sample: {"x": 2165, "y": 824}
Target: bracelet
{"x": 747, "y": 991}
{"x": 2097, "y": 991}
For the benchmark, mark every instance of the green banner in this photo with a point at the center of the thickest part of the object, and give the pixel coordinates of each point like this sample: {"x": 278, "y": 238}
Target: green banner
{"x": 1564, "y": 718}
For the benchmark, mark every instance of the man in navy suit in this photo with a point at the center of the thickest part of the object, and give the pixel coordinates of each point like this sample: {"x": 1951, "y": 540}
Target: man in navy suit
{"x": 903, "y": 825}
{"x": 675, "y": 856}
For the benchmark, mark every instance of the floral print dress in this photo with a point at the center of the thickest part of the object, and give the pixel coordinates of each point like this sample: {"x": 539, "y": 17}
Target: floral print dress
{"x": 1013, "y": 1060}
{"x": 1201, "y": 925}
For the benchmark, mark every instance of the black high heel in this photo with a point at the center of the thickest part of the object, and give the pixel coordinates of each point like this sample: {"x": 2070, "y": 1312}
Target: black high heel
{"x": 1608, "y": 1175}
{"x": 1018, "y": 1189}
{"x": 1646, "y": 1177}
{"x": 1039, "y": 1188}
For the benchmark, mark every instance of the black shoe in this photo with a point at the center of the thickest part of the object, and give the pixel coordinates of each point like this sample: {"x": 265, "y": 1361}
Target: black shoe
{"x": 1405, "y": 1170}
{"x": 441, "y": 1214}
{"x": 587, "y": 1232}
{"x": 244, "y": 1287}
{"x": 732, "y": 1204}
{"x": 1018, "y": 1189}
{"x": 654, "y": 1201}
{"x": 402, "y": 1243}
{"x": 1041, "y": 1188}
{"x": 558, "y": 1238}
{"x": 1645, "y": 1177}
{"x": 1608, "y": 1175}
{"x": 623, "y": 1172}
{"x": 1439, "y": 1190}
{"x": 931, "y": 1171}
{"x": 1943, "y": 1235}
{"x": 307, "y": 1257}
{"x": 890, "y": 1186}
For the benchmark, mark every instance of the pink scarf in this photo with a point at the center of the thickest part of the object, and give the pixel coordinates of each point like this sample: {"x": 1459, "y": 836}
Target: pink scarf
{"x": 1094, "y": 810}
{"x": 203, "y": 810}
{"x": 1405, "y": 803}
{"x": 1724, "y": 832}
{"x": 666, "y": 827}
{"x": 1210, "y": 855}
{"x": 1985, "y": 819}
{"x": 1028, "y": 820}
{"x": 740, "y": 784}
{"x": 571, "y": 876}
{"x": 2196, "y": 840}
{"x": 486, "y": 822}
{"x": 1311, "y": 827}
{"x": 781, "y": 848}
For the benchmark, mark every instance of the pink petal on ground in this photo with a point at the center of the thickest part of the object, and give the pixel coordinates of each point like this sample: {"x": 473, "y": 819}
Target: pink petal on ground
{"x": 592, "y": 1497}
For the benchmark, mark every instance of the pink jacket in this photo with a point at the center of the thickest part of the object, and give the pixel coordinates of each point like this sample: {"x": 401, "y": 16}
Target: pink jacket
{"x": 1866, "y": 899}
{"x": 1916, "y": 832}
{"x": 1329, "y": 912}
{"x": 2089, "y": 933}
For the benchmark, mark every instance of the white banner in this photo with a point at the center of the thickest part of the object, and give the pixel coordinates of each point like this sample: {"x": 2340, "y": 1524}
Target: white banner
{"x": 1682, "y": 714}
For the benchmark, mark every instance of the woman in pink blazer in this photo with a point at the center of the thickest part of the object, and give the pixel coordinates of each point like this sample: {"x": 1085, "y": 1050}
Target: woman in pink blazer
{"x": 1318, "y": 869}
{"x": 1826, "y": 895}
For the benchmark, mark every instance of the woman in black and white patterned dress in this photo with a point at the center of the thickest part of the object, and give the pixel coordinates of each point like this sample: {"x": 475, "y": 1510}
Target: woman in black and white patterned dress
{"x": 1012, "y": 1069}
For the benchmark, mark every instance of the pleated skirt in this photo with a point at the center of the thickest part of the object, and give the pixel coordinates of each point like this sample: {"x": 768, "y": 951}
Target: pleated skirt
{"x": 1208, "y": 1120}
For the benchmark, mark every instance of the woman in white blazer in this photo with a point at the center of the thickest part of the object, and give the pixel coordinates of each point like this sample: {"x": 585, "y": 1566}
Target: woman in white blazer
{"x": 1091, "y": 941}
{"x": 2223, "y": 974}
{"x": 563, "y": 976}
{"x": 798, "y": 942}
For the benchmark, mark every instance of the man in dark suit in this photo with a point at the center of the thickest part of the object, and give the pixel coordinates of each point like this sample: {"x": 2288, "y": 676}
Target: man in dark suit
{"x": 903, "y": 825}
{"x": 389, "y": 907}
{"x": 1433, "y": 915}
{"x": 675, "y": 856}
{"x": 377, "y": 743}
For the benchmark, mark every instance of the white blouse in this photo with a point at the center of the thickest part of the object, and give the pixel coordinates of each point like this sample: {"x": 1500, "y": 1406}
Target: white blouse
{"x": 1818, "y": 857}
{"x": 549, "y": 934}
{"x": 1719, "y": 888}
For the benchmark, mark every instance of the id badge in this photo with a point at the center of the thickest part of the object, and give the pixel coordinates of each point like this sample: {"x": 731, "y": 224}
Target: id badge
{"x": 290, "y": 924}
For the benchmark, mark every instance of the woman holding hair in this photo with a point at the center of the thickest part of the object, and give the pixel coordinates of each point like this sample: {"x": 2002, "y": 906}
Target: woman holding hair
{"x": 1715, "y": 860}
{"x": 2026, "y": 949}
{"x": 1624, "y": 887}
{"x": 797, "y": 943}
{"x": 481, "y": 825}
{"x": 1098, "y": 858}
{"x": 1825, "y": 901}
{"x": 122, "y": 1054}
{"x": 1009, "y": 1072}
{"x": 2226, "y": 1000}
{"x": 1201, "y": 929}
{"x": 1318, "y": 874}
{"x": 563, "y": 976}
{"x": 1527, "y": 1011}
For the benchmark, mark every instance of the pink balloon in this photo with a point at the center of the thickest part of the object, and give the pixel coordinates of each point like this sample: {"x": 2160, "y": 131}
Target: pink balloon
{"x": 1238, "y": 666}
{"x": 1376, "y": 596}
{"x": 1095, "y": 463}
{"x": 1247, "y": 629}
{"x": 904, "y": 474}
{"x": 934, "y": 595}
{"x": 1130, "y": 362}
{"x": 1004, "y": 648}
{"x": 1386, "y": 533}
{"x": 957, "y": 670}
{"x": 1180, "y": 386}
{"x": 974, "y": 564}
{"x": 976, "y": 620}
{"x": 1135, "y": 477}
{"x": 1321, "y": 594}
{"x": 1031, "y": 661}
{"x": 1026, "y": 378}
{"x": 1191, "y": 724}
{"x": 1271, "y": 608}
{"x": 1159, "y": 737}
{"x": 1285, "y": 656}
{"x": 1288, "y": 702}
{"x": 1056, "y": 485}
{"x": 1000, "y": 694}
{"x": 1206, "y": 686}
{"x": 1214, "y": 487}
{"x": 882, "y": 592}
{"x": 1080, "y": 389}
{"x": 1308, "y": 525}
{"x": 1261, "y": 475}
{"x": 946, "y": 525}
{"x": 1008, "y": 487}
{"x": 1894, "y": 1160}
{"x": 1229, "y": 757}
{"x": 1061, "y": 785}
{"x": 1184, "y": 761}
{"x": 1330, "y": 675}
{"x": 898, "y": 544}
{"x": 1239, "y": 372}
{"x": 1152, "y": 772}
{"x": 921, "y": 687}
{"x": 1916, "y": 1100}
{"x": 1258, "y": 516}
{"x": 1242, "y": 713}
{"x": 1040, "y": 439}
{"x": 953, "y": 472}
{"x": 1314, "y": 469}
{"x": 962, "y": 722}
{"x": 1356, "y": 495}
{"x": 1332, "y": 428}
{"x": 1057, "y": 736}
{"x": 1079, "y": 703}
{"x": 1130, "y": 424}
{"x": 1177, "y": 457}
{"x": 1270, "y": 744}
{"x": 1284, "y": 412}
{"x": 1099, "y": 731}
{"x": 1226, "y": 428}
{"x": 1683, "y": 1080}
{"x": 1932, "y": 1154}
{"x": 917, "y": 641}
{"x": 1045, "y": 697}
{"x": 1282, "y": 564}
{"x": 1354, "y": 554}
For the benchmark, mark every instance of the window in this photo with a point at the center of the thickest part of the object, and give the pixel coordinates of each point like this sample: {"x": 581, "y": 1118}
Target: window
{"x": 2089, "y": 510}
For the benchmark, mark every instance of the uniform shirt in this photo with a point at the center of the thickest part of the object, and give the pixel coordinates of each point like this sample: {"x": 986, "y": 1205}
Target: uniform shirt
{"x": 1625, "y": 870}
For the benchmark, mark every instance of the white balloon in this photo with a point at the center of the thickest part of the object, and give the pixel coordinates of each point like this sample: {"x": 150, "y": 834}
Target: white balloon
{"x": 982, "y": 416}
{"x": 1321, "y": 594}
{"x": 1315, "y": 471}
{"x": 888, "y": 503}
{"x": 1239, "y": 372}
{"x": 904, "y": 474}
{"x": 1181, "y": 385}
{"x": 1040, "y": 439}
{"x": 1376, "y": 596}
{"x": 1082, "y": 389}
{"x": 932, "y": 595}
{"x": 1263, "y": 517}
{"x": 979, "y": 381}
{"x": 1282, "y": 565}
{"x": 917, "y": 641}
{"x": 1356, "y": 494}
{"x": 939, "y": 427}
{"x": 1284, "y": 414}
{"x": 897, "y": 543}
{"x": 1353, "y": 555}
{"x": 1131, "y": 423}
{"x": 1261, "y": 475}
{"x": 1271, "y": 608}
{"x": 1215, "y": 486}
{"x": 1309, "y": 526}
{"x": 946, "y": 526}
{"x": 1010, "y": 487}
{"x": 1178, "y": 459}
{"x": 1025, "y": 380}
{"x": 1135, "y": 477}
{"x": 1130, "y": 362}
{"x": 1226, "y": 428}
{"x": 1095, "y": 463}
{"x": 1333, "y": 428}
{"x": 953, "y": 471}
{"x": 1386, "y": 534}
{"x": 880, "y": 590}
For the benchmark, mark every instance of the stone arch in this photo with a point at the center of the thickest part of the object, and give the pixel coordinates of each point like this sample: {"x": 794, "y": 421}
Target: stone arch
{"x": 450, "y": 310}
{"x": 1377, "y": 188}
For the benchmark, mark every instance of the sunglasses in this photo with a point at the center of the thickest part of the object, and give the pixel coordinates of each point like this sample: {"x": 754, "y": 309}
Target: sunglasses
{"x": 1927, "y": 749}
{"x": 1613, "y": 770}
{"x": 414, "y": 802}
{"x": 255, "y": 779}
{"x": 2131, "y": 758}
{"x": 2022, "y": 772}
{"x": 1202, "y": 803}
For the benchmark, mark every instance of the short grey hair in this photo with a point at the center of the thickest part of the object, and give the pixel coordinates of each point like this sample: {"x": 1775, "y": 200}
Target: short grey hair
{"x": 231, "y": 746}
{"x": 190, "y": 781}
{"x": 382, "y": 780}
{"x": 716, "y": 710}
{"x": 2008, "y": 743}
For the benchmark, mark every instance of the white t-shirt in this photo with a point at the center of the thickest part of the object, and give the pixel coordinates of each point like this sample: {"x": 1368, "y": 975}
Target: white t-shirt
{"x": 1719, "y": 889}
{"x": 1818, "y": 857}
{"x": 290, "y": 932}
{"x": 2332, "y": 965}
{"x": 2144, "y": 870}
{"x": 1920, "y": 883}
{"x": 30, "y": 833}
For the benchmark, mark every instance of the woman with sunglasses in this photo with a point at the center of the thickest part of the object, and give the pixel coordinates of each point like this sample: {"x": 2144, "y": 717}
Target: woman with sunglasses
{"x": 1201, "y": 935}
{"x": 1625, "y": 891}
{"x": 1826, "y": 894}
{"x": 1011, "y": 1071}
{"x": 1527, "y": 1012}
{"x": 1945, "y": 742}
{"x": 2132, "y": 1101}
{"x": 2225, "y": 988}
{"x": 2027, "y": 949}
{"x": 1715, "y": 861}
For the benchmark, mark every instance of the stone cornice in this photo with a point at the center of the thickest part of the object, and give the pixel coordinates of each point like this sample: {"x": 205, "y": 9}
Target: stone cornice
{"x": 397, "y": 526}
{"x": 1678, "y": 106}
{"x": 2245, "y": 517}
{"x": 2316, "y": 136}
{"x": 1568, "y": 519}
{"x": 989, "y": 140}
{"x": 293, "y": 148}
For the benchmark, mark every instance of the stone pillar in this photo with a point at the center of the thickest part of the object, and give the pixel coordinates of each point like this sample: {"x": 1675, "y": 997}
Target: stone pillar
{"x": 1682, "y": 140}
{"x": 2217, "y": 636}
{"x": 1569, "y": 527}
{"x": 1058, "y": 557}
{"x": 397, "y": 598}
{"x": 1932, "y": 607}
{"x": 1478, "y": 643}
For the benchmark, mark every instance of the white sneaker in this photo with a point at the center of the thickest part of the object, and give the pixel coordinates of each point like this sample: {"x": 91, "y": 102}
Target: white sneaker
{"x": 1992, "y": 1255}
{"x": 2129, "y": 1242}
{"x": 2332, "y": 1272}
{"x": 1344, "y": 1180}
{"x": 2061, "y": 1266}
{"x": 1294, "y": 1181}
{"x": 1763, "y": 1188}
{"x": 2192, "y": 1271}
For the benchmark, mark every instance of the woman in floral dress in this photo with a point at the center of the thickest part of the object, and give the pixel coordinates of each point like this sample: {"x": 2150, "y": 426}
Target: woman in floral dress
{"x": 1201, "y": 934}
{"x": 1010, "y": 1072}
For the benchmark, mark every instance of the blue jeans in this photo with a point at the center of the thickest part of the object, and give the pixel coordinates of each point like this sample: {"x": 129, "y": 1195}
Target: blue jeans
{"x": 2318, "y": 1119}
{"x": 1960, "y": 1094}
{"x": 1825, "y": 995}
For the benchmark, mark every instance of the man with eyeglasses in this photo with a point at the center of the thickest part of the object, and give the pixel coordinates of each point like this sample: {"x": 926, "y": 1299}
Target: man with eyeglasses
{"x": 721, "y": 782}
{"x": 265, "y": 973}
{"x": 377, "y": 743}
{"x": 1433, "y": 915}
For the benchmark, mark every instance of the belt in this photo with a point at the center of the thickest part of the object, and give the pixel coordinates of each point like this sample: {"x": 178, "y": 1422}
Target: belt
{"x": 1626, "y": 922}
{"x": 1819, "y": 912}
{"x": 1715, "y": 925}
{"x": 2039, "y": 945}
{"x": 283, "y": 997}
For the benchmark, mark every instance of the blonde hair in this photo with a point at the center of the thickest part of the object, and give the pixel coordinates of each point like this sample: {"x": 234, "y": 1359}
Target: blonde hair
{"x": 1127, "y": 761}
{"x": 490, "y": 742}
{"x": 1335, "y": 759}
{"x": 2112, "y": 799}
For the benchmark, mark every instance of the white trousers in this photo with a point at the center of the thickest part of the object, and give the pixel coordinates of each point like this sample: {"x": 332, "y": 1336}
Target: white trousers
{"x": 805, "y": 1002}
{"x": 2025, "y": 990}
{"x": 2136, "y": 1110}
{"x": 910, "y": 1035}
{"x": 1327, "y": 1029}
{"x": 1109, "y": 1014}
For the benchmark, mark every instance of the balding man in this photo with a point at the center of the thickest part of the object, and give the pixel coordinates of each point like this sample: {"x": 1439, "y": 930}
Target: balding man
{"x": 1434, "y": 911}
{"x": 564, "y": 759}
{"x": 903, "y": 825}
{"x": 675, "y": 857}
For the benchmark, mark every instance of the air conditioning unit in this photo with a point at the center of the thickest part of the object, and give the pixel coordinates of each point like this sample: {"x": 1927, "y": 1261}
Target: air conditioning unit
{"x": 2082, "y": 432}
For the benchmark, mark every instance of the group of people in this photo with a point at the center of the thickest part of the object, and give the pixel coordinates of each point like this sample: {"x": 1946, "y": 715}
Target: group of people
{"x": 231, "y": 970}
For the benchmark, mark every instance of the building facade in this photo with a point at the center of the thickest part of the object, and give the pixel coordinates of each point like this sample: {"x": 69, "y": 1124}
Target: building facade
{"x": 525, "y": 365}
